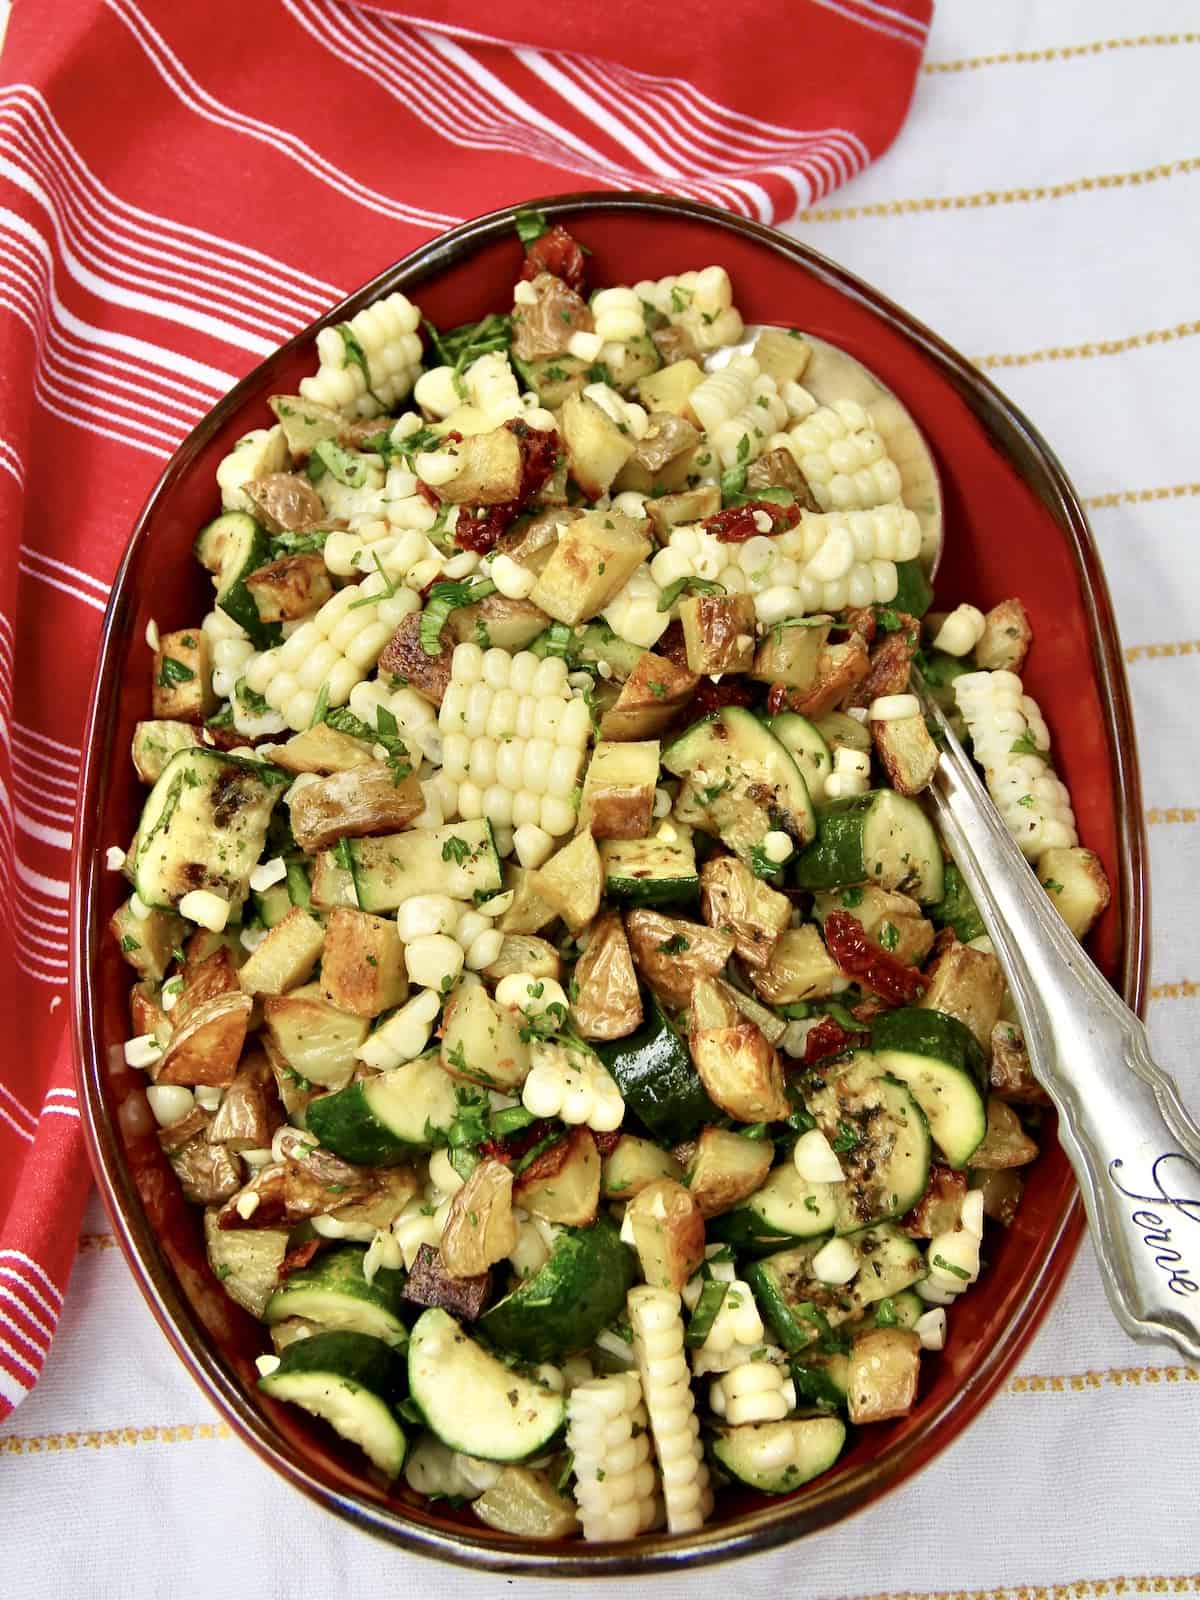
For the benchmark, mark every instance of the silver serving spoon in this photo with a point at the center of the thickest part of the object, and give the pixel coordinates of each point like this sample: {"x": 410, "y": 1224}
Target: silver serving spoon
{"x": 1134, "y": 1147}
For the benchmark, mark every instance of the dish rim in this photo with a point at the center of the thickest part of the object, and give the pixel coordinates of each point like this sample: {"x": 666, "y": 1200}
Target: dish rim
{"x": 773, "y": 1524}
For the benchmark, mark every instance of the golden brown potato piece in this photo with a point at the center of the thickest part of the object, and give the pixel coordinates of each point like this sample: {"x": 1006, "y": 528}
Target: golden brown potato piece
{"x": 891, "y": 661}
{"x": 689, "y": 505}
{"x": 607, "y": 1003}
{"x": 284, "y": 502}
{"x": 362, "y": 966}
{"x": 632, "y": 1163}
{"x": 907, "y": 751}
{"x": 791, "y": 652}
{"x": 777, "y": 469}
{"x": 181, "y": 689}
{"x": 354, "y": 804}
{"x": 544, "y": 326}
{"x": 147, "y": 943}
{"x": 322, "y": 749}
{"x": 1075, "y": 880}
{"x": 1006, "y": 1144}
{"x": 403, "y": 657}
{"x": 734, "y": 901}
{"x": 592, "y": 559}
{"x": 668, "y": 1233}
{"x": 313, "y": 1037}
{"x": 524, "y": 952}
{"x": 529, "y": 913}
{"x": 1010, "y": 1072}
{"x": 800, "y": 968}
{"x": 207, "y": 1173}
{"x": 740, "y": 1069}
{"x": 894, "y": 921}
{"x": 286, "y": 957}
{"x": 1006, "y": 638}
{"x": 672, "y": 953}
{"x": 718, "y": 631}
{"x": 492, "y": 466}
{"x": 204, "y": 976}
{"x": 147, "y": 1016}
{"x": 618, "y": 790}
{"x": 840, "y": 670}
{"x": 1002, "y": 1190}
{"x": 572, "y": 881}
{"x": 938, "y": 1209}
{"x": 967, "y": 984}
{"x": 497, "y": 620}
{"x": 206, "y": 1048}
{"x": 531, "y": 541}
{"x": 725, "y": 1168}
{"x": 885, "y": 1364}
{"x": 481, "y": 1041}
{"x": 480, "y": 1229}
{"x": 249, "y": 1112}
{"x": 651, "y": 697}
{"x": 563, "y": 1183}
{"x": 290, "y": 588}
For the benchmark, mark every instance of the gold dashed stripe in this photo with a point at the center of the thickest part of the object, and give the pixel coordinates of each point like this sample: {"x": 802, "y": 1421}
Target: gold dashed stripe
{"x": 1134, "y": 497}
{"x": 1083, "y": 352}
{"x": 1081, "y": 1589}
{"x": 1114, "y": 1378}
{"x": 1063, "y": 52}
{"x": 986, "y": 198}
{"x": 108, "y": 1438}
{"x": 1156, "y": 652}
{"x": 1172, "y": 814}
{"x": 1185, "y": 989}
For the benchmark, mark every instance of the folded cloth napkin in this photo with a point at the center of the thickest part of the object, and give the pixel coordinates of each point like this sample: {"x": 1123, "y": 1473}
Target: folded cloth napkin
{"x": 184, "y": 187}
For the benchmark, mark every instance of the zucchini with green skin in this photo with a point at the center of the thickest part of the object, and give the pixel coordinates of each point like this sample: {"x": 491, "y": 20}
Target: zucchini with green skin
{"x": 777, "y": 1457}
{"x": 204, "y": 825}
{"x": 881, "y": 1137}
{"x": 231, "y": 547}
{"x": 459, "y": 860}
{"x": 957, "y": 909}
{"x": 880, "y": 837}
{"x": 809, "y": 750}
{"x": 940, "y": 1061}
{"x": 654, "y": 1072}
{"x": 472, "y": 1401}
{"x": 650, "y": 872}
{"x": 333, "y": 1293}
{"x": 350, "y": 1381}
{"x": 382, "y": 1120}
{"x": 564, "y": 1305}
{"x": 802, "y": 1311}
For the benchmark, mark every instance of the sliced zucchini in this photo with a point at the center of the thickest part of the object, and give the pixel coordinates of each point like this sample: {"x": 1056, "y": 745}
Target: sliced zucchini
{"x": 350, "y": 1381}
{"x": 653, "y": 871}
{"x": 459, "y": 860}
{"x": 809, "y": 750}
{"x": 802, "y": 1310}
{"x": 231, "y": 547}
{"x": 877, "y": 1128}
{"x": 379, "y": 1121}
{"x": 564, "y": 1305}
{"x": 272, "y": 904}
{"x": 746, "y": 781}
{"x": 204, "y": 825}
{"x": 880, "y": 837}
{"x": 940, "y": 1061}
{"x": 333, "y": 1293}
{"x": 957, "y": 909}
{"x": 654, "y": 1073}
{"x": 822, "y": 1378}
{"x": 472, "y": 1401}
{"x": 777, "y": 1457}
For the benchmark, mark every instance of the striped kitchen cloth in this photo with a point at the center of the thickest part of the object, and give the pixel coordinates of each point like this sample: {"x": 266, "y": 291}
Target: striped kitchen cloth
{"x": 183, "y": 188}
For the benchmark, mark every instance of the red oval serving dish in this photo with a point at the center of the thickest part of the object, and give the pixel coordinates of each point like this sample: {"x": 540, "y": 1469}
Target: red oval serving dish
{"x": 1013, "y": 526}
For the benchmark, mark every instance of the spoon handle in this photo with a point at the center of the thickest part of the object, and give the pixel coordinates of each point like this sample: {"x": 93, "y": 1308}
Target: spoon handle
{"x": 1133, "y": 1145}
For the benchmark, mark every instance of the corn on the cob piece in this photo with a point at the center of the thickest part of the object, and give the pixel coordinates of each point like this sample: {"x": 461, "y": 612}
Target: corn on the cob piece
{"x": 1011, "y": 743}
{"x": 616, "y": 1486}
{"x": 255, "y": 454}
{"x": 961, "y": 631}
{"x": 724, "y": 393}
{"x": 331, "y": 652}
{"x": 758, "y": 1391}
{"x": 382, "y": 336}
{"x": 953, "y": 1256}
{"x": 666, "y": 1384}
{"x": 737, "y": 1322}
{"x": 633, "y": 611}
{"x": 701, "y": 302}
{"x": 744, "y": 436}
{"x": 843, "y": 459}
{"x": 513, "y": 739}
{"x": 572, "y": 1085}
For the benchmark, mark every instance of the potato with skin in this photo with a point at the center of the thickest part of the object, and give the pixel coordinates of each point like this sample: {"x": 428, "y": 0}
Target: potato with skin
{"x": 689, "y": 505}
{"x": 290, "y": 588}
{"x": 529, "y": 913}
{"x": 249, "y": 1112}
{"x": 905, "y": 747}
{"x": 1006, "y": 1144}
{"x": 1007, "y": 636}
{"x": 405, "y": 657}
{"x": 718, "y": 632}
{"x": 596, "y": 447}
{"x": 878, "y": 910}
{"x": 618, "y": 789}
{"x": 354, "y": 804}
{"x": 285, "y": 502}
{"x": 633, "y": 1163}
{"x": 800, "y": 968}
{"x": 206, "y": 1049}
{"x": 672, "y": 953}
{"x": 481, "y": 1041}
{"x": 524, "y": 952}
{"x": 607, "y": 1002}
{"x": 362, "y": 966}
{"x": 741, "y": 1071}
{"x": 572, "y": 881}
{"x": 939, "y": 1207}
{"x": 563, "y": 1183}
{"x": 967, "y": 984}
{"x": 891, "y": 659}
{"x": 544, "y": 325}
{"x": 497, "y": 621}
{"x": 1076, "y": 882}
{"x": 840, "y": 670}
{"x": 791, "y": 651}
{"x": 314, "y": 1038}
{"x": 652, "y": 696}
{"x": 733, "y": 900}
{"x": 480, "y": 1229}
{"x": 1010, "y": 1072}
{"x": 668, "y": 1233}
{"x": 324, "y": 750}
{"x": 885, "y": 1364}
{"x": 181, "y": 688}
{"x": 491, "y": 469}
{"x": 147, "y": 943}
{"x": 724, "y": 1168}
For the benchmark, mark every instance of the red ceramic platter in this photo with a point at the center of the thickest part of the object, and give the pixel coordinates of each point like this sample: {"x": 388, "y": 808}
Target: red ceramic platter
{"x": 1013, "y": 526}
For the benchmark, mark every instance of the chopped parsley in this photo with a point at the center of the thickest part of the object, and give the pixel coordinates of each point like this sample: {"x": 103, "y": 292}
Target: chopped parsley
{"x": 172, "y": 672}
{"x": 848, "y": 1138}
{"x": 674, "y": 946}
{"x": 1052, "y": 885}
{"x": 889, "y": 935}
{"x": 673, "y": 591}
{"x": 129, "y": 944}
{"x": 456, "y": 849}
{"x": 443, "y": 599}
{"x": 1024, "y": 746}
{"x": 530, "y": 225}
{"x": 852, "y": 898}
{"x": 948, "y": 1266}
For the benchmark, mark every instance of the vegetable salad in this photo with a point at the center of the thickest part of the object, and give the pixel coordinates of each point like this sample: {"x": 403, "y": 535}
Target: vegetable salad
{"x": 593, "y": 1071}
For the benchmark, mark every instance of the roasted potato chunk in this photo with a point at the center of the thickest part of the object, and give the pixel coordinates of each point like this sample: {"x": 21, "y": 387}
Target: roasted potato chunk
{"x": 523, "y": 952}
{"x": 147, "y": 943}
{"x": 689, "y": 505}
{"x": 491, "y": 467}
{"x": 885, "y": 1364}
{"x": 206, "y": 1047}
{"x": 632, "y": 1164}
{"x": 543, "y": 325}
{"x": 618, "y": 790}
{"x": 362, "y": 967}
{"x": 891, "y": 659}
{"x": 840, "y": 670}
{"x": 314, "y": 1038}
{"x": 572, "y": 881}
{"x": 249, "y": 1112}
{"x": 286, "y": 957}
{"x": 651, "y": 697}
{"x": 182, "y": 688}
{"x": 290, "y": 588}
{"x": 1010, "y": 1072}
{"x": 481, "y": 1041}
{"x": 734, "y": 901}
{"x": 497, "y": 621}
{"x": 800, "y": 968}
{"x": 671, "y": 953}
{"x": 155, "y": 742}
{"x": 563, "y": 1183}
{"x": 429, "y": 1284}
{"x": 663, "y": 456}
{"x": 1006, "y": 638}
{"x": 592, "y": 560}
{"x": 607, "y": 1003}
{"x": 1006, "y": 1144}
{"x": 246, "y": 1262}
{"x": 718, "y": 631}
{"x": 939, "y": 1207}
{"x": 322, "y": 749}
{"x": 365, "y": 800}
{"x": 1075, "y": 880}
{"x": 725, "y": 1168}
{"x": 529, "y": 912}
{"x": 777, "y": 469}
{"x": 907, "y": 751}
{"x": 480, "y": 1229}
{"x": 967, "y": 984}
{"x": 782, "y": 354}
{"x": 791, "y": 651}
{"x": 284, "y": 502}
{"x": 668, "y": 388}
{"x": 740, "y": 1069}
{"x": 596, "y": 452}
{"x": 668, "y": 1233}
{"x": 404, "y": 657}
{"x": 208, "y": 1173}
{"x": 892, "y": 920}
{"x": 531, "y": 541}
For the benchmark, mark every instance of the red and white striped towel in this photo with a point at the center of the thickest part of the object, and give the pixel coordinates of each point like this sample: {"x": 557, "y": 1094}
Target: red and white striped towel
{"x": 185, "y": 186}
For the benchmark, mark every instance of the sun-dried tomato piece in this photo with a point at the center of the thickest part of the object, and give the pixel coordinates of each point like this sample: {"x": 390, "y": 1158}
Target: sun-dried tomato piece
{"x": 827, "y": 1039}
{"x": 606, "y": 1143}
{"x": 299, "y": 1257}
{"x": 737, "y": 523}
{"x": 777, "y": 698}
{"x": 878, "y": 971}
{"x": 710, "y": 696}
{"x": 514, "y": 1145}
{"x": 557, "y": 252}
{"x": 539, "y": 456}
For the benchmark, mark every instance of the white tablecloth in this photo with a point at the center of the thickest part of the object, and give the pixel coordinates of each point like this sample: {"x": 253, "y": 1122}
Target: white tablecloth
{"x": 1041, "y": 210}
